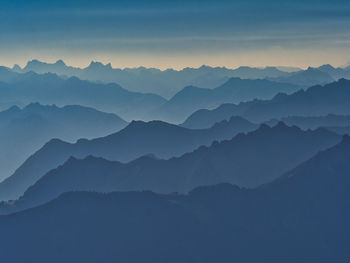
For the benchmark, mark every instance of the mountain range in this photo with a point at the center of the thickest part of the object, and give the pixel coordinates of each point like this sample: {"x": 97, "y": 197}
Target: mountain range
{"x": 24, "y": 131}
{"x": 167, "y": 83}
{"x": 318, "y": 100}
{"x": 326, "y": 121}
{"x": 247, "y": 160}
{"x": 235, "y": 90}
{"x": 162, "y": 140}
{"x": 48, "y": 88}
{"x": 336, "y": 73}
{"x": 304, "y": 215}
{"x": 313, "y": 76}
{"x": 151, "y": 80}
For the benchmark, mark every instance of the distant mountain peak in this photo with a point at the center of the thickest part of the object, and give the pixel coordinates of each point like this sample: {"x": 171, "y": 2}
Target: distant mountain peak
{"x": 279, "y": 127}
{"x": 99, "y": 65}
{"x": 55, "y": 141}
{"x": 311, "y": 69}
{"x": 13, "y": 108}
{"x": 16, "y": 68}
{"x": 33, "y": 62}
{"x": 60, "y": 62}
{"x": 327, "y": 66}
{"x": 33, "y": 105}
{"x": 37, "y": 106}
{"x": 136, "y": 123}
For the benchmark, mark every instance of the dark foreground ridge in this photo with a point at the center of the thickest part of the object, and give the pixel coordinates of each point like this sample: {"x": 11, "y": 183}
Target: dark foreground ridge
{"x": 303, "y": 215}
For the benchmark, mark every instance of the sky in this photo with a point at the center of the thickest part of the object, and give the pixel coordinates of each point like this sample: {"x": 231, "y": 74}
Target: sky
{"x": 177, "y": 33}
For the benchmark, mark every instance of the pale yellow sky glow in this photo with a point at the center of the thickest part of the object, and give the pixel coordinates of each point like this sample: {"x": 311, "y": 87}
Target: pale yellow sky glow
{"x": 177, "y": 34}
{"x": 274, "y": 56}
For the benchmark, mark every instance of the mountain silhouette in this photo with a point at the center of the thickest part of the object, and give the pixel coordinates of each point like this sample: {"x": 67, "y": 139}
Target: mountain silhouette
{"x": 307, "y": 78}
{"x": 50, "y": 89}
{"x": 235, "y": 90}
{"x": 303, "y": 215}
{"x": 7, "y": 75}
{"x": 24, "y": 131}
{"x": 335, "y": 73}
{"x": 315, "y": 101}
{"x": 151, "y": 80}
{"x": 59, "y": 67}
{"x": 168, "y": 82}
{"x": 137, "y": 139}
{"x": 247, "y": 160}
{"x": 326, "y": 121}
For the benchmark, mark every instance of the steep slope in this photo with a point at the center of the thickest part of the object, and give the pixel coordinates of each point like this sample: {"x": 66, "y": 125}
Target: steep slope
{"x": 304, "y": 215}
{"x": 137, "y": 139}
{"x": 235, "y": 90}
{"x": 315, "y": 101}
{"x": 246, "y": 160}
{"x": 24, "y": 131}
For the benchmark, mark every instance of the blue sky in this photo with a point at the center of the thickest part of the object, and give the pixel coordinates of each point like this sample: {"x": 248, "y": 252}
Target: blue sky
{"x": 176, "y": 33}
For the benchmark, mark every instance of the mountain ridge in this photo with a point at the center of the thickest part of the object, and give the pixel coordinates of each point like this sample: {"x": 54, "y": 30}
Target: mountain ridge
{"x": 25, "y": 130}
{"x": 154, "y": 80}
{"x": 225, "y": 161}
{"x": 137, "y": 139}
{"x": 304, "y": 214}
{"x": 49, "y": 88}
{"x": 235, "y": 90}
{"x": 314, "y": 101}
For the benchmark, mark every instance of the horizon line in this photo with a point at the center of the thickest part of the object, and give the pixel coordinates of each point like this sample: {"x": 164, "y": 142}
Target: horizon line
{"x": 105, "y": 64}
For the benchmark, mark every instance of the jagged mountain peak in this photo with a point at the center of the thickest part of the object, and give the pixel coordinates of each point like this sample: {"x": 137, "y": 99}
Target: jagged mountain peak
{"x": 99, "y": 65}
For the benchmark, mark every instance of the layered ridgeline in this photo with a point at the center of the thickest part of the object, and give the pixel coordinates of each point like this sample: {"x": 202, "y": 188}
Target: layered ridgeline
{"x": 303, "y": 215}
{"x": 23, "y": 89}
{"x": 24, "y": 131}
{"x": 235, "y": 90}
{"x": 315, "y": 101}
{"x": 313, "y": 76}
{"x": 247, "y": 160}
{"x": 163, "y": 82}
{"x": 139, "y": 138}
{"x": 19, "y": 89}
{"x": 338, "y": 123}
{"x": 168, "y": 82}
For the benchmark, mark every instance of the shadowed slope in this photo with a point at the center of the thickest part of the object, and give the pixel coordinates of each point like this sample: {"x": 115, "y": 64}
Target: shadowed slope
{"x": 316, "y": 101}
{"x": 137, "y": 139}
{"x": 246, "y": 160}
{"x": 24, "y": 131}
{"x": 304, "y": 215}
